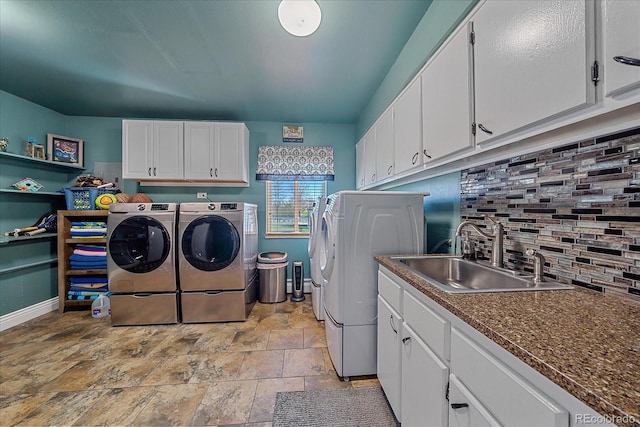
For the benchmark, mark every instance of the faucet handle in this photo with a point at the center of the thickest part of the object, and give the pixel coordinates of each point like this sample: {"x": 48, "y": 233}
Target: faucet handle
{"x": 492, "y": 219}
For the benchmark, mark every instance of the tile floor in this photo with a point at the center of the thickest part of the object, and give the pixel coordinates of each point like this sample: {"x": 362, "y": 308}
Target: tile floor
{"x": 71, "y": 369}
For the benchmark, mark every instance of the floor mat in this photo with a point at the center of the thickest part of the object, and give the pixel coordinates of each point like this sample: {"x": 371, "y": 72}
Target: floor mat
{"x": 348, "y": 407}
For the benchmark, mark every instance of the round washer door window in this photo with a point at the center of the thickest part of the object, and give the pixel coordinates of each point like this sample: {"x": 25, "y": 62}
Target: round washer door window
{"x": 210, "y": 243}
{"x": 139, "y": 244}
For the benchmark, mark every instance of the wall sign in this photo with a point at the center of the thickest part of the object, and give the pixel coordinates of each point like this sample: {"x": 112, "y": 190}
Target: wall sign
{"x": 292, "y": 133}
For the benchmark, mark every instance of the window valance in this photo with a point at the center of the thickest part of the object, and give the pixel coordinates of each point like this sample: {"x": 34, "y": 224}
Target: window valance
{"x": 295, "y": 163}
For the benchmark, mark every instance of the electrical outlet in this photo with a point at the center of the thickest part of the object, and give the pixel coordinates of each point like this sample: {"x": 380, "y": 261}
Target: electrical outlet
{"x": 201, "y": 195}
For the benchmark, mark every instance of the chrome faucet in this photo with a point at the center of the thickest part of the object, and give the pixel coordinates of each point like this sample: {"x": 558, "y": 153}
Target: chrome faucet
{"x": 496, "y": 238}
{"x": 538, "y": 260}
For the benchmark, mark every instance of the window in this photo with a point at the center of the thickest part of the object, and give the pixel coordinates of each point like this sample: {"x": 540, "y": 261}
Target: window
{"x": 289, "y": 204}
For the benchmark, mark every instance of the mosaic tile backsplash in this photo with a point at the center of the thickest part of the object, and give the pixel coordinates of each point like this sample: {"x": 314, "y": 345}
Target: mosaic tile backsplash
{"x": 578, "y": 204}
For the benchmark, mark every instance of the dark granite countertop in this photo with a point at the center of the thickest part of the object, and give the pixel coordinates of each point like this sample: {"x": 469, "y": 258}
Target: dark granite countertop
{"x": 586, "y": 342}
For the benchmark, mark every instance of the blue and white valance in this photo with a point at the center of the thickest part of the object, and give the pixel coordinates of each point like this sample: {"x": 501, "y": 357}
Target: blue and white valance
{"x": 295, "y": 163}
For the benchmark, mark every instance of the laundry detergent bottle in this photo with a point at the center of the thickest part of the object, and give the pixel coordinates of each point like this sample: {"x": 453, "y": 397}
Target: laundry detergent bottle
{"x": 101, "y": 307}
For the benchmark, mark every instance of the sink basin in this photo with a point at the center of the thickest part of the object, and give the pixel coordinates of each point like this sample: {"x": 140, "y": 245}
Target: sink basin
{"x": 456, "y": 275}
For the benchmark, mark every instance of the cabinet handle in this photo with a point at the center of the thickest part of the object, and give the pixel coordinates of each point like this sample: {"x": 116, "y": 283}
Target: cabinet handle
{"x": 154, "y": 171}
{"x": 627, "y": 61}
{"x": 362, "y": 181}
{"x": 391, "y": 323}
{"x": 414, "y": 159}
{"x": 459, "y": 405}
{"x": 373, "y": 177}
{"x": 406, "y": 340}
{"x": 426, "y": 154}
{"x": 216, "y": 172}
{"x": 149, "y": 171}
{"x": 211, "y": 172}
{"x": 484, "y": 129}
{"x": 389, "y": 170}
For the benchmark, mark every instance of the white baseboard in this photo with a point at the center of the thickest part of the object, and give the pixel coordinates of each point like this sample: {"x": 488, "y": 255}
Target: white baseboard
{"x": 306, "y": 286}
{"x": 17, "y": 317}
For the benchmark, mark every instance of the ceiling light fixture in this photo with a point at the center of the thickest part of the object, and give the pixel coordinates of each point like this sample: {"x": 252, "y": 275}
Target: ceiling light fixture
{"x": 299, "y": 17}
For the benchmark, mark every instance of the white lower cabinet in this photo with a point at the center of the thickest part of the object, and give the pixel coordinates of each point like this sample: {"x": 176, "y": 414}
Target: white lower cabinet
{"x": 503, "y": 393}
{"x": 465, "y": 410}
{"x": 424, "y": 383}
{"x": 389, "y": 368}
{"x": 444, "y": 377}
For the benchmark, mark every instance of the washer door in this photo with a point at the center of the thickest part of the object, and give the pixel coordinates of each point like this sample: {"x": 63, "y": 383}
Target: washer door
{"x": 139, "y": 244}
{"x": 210, "y": 243}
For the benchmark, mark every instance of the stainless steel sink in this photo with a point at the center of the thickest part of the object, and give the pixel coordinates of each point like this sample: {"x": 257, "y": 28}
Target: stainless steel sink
{"x": 456, "y": 275}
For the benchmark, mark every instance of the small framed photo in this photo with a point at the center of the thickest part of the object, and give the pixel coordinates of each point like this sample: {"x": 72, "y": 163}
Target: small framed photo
{"x": 292, "y": 133}
{"x": 65, "y": 149}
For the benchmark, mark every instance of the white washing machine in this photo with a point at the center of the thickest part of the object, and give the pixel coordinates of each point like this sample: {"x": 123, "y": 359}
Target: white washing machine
{"x": 217, "y": 256}
{"x": 141, "y": 263}
{"x": 357, "y": 226}
{"x": 315, "y": 248}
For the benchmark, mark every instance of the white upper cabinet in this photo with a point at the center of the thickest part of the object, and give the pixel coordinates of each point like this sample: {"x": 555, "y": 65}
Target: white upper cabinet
{"x": 407, "y": 129}
{"x": 216, "y": 151}
{"x": 447, "y": 98}
{"x": 360, "y": 173}
{"x": 152, "y": 150}
{"x": 532, "y": 62}
{"x": 384, "y": 146}
{"x": 621, "y": 56}
{"x": 369, "y": 140}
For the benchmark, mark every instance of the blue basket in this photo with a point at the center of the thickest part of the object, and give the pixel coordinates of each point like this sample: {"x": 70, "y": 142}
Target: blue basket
{"x": 84, "y": 198}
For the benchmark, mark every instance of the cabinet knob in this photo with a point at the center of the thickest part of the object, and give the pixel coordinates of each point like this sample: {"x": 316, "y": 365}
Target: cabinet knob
{"x": 627, "y": 60}
{"x": 459, "y": 405}
{"x": 484, "y": 129}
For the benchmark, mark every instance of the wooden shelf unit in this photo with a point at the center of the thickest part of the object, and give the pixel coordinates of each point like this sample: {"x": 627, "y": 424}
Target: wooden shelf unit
{"x": 66, "y": 245}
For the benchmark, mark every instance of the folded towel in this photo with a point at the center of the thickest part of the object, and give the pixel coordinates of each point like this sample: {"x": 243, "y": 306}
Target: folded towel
{"x": 75, "y": 289}
{"x": 88, "y": 279}
{"x": 87, "y": 292}
{"x": 92, "y": 248}
{"x": 88, "y": 224}
{"x": 86, "y": 258}
{"x": 81, "y": 297}
{"x": 91, "y": 266}
{"x": 88, "y": 230}
{"x": 89, "y": 253}
{"x": 84, "y": 236}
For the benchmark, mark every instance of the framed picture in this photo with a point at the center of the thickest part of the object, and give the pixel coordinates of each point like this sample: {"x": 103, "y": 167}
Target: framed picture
{"x": 292, "y": 133}
{"x": 65, "y": 149}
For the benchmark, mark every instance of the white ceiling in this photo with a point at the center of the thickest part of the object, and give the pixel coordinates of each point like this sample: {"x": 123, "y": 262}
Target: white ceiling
{"x": 200, "y": 59}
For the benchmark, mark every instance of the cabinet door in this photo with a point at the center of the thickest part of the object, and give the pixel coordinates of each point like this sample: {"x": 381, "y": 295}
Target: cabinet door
{"x": 360, "y": 174}
{"x": 621, "y": 39}
{"x": 465, "y": 410}
{"x": 423, "y": 384}
{"x": 407, "y": 129}
{"x": 532, "y": 62}
{"x": 370, "y": 156}
{"x": 447, "y": 98}
{"x": 231, "y": 153}
{"x": 199, "y": 143}
{"x": 168, "y": 153}
{"x": 389, "y": 354}
{"x": 137, "y": 149}
{"x": 384, "y": 146}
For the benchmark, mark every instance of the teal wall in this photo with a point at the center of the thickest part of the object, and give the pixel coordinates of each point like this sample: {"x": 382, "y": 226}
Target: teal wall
{"x": 441, "y": 210}
{"x": 442, "y": 17}
{"x": 26, "y": 276}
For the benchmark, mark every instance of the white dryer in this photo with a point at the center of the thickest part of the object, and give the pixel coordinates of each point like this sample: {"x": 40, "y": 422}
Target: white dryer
{"x": 315, "y": 249}
{"x": 141, "y": 263}
{"x": 217, "y": 256}
{"x": 357, "y": 226}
